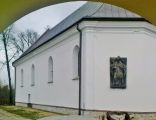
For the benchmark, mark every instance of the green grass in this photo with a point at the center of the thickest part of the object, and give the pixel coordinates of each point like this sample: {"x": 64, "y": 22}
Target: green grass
{"x": 25, "y": 112}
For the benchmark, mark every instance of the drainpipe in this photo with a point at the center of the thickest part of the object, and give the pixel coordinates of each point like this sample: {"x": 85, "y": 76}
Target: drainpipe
{"x": 79, "y": 68}
{"x": 15, "y": 88}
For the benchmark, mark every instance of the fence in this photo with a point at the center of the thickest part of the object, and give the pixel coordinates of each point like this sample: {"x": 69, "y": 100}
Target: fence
{"x": 4, "y": 101}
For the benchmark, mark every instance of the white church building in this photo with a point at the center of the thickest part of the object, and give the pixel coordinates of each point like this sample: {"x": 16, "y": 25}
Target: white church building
{"x": 99, "y": 58}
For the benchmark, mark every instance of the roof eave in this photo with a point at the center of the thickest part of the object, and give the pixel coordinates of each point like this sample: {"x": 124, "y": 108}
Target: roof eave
{"x": 84, "y": 19}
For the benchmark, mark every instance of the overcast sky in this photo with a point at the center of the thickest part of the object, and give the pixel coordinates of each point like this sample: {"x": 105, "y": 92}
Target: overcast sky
{"x": 39, "y": 20}
{"x": 47, "y": 16}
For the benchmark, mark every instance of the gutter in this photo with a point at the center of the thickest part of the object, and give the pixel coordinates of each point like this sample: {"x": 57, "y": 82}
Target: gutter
{"x": 79, "y": 69}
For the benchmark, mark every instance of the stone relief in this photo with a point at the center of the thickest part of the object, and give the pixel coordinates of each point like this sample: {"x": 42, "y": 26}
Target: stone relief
{"x": 118, "y": 71}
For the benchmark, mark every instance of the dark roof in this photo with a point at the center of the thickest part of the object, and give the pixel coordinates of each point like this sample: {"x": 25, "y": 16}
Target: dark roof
{"x": 88, "y": 10}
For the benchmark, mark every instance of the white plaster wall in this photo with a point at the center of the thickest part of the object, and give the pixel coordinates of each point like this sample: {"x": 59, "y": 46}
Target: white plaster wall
{"x": 101, "y": 40}
{"x": 134, "y": 40}
{"x": 63, "y": 91}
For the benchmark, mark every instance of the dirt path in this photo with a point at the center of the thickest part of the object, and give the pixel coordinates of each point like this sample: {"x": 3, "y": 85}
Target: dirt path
{"x": 70, "y": 117}
{"x": 8, "y": 116}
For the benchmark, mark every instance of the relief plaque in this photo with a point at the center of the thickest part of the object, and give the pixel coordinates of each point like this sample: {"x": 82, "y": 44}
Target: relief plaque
{"x": 118, "y": 72}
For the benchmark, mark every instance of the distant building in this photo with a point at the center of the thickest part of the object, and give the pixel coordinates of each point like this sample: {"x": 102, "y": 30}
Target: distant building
{"x": 99, "y": 58}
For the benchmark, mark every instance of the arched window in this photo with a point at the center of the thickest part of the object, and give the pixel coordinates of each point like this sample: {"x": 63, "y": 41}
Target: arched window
{"x": 22, "y": 75}
{"x": 75, "y": 63}
{"x": 50, "y": 70}
{"x": 32, "y": 75}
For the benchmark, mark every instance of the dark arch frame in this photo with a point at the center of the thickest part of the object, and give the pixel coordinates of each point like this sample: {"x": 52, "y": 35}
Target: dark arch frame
{"x": 18, "y": 9}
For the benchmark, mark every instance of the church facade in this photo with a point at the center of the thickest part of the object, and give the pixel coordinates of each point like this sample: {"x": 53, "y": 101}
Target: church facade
{"x": 100, "y": 58}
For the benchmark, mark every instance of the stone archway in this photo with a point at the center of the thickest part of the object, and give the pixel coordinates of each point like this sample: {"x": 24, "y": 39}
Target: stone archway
{"x": 12, "y": 10}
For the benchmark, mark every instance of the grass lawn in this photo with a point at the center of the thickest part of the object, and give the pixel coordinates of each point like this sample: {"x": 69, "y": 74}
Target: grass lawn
{"x": 25, "y": 112}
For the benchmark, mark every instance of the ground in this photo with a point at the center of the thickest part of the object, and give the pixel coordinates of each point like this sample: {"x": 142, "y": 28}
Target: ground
{"x": 22, "y": 113}
{"x": 8, "y": 116}
{"x": 70, "y": 117}
{"x": 10, "y": 113}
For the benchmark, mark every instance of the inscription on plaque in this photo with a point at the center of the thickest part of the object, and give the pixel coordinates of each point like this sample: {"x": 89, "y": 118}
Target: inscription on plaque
{"x": 118, "y": 72}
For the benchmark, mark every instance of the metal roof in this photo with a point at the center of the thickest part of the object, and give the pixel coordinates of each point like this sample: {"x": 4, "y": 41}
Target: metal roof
{"x": 88, "y": 10}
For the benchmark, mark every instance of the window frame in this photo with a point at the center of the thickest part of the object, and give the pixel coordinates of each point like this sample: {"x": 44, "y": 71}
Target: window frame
{"x": 32, "y": 75}
{"x": 50, "y": 70}
{"x": 22, "y": 78}
{"x": 75, "y": 65}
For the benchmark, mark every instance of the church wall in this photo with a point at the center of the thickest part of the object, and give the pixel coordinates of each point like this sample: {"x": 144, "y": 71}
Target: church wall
{"x": 100, "y": 40}
{"x": 137, "y": 42}
{"x": 63, "y": 91}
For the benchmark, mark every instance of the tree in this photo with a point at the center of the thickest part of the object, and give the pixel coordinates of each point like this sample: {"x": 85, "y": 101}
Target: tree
{"x": 4, "y": 93}
{"x": 6, "y": 35}
{"x": 6, "y": 38}
{"x": 15, "y": 44}
{"x": 25, "y": 39}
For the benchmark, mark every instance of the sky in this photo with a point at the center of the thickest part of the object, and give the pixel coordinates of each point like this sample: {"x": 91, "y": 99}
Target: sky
{"x": 38, "y": 21}
{"x": 47, "y": 16}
